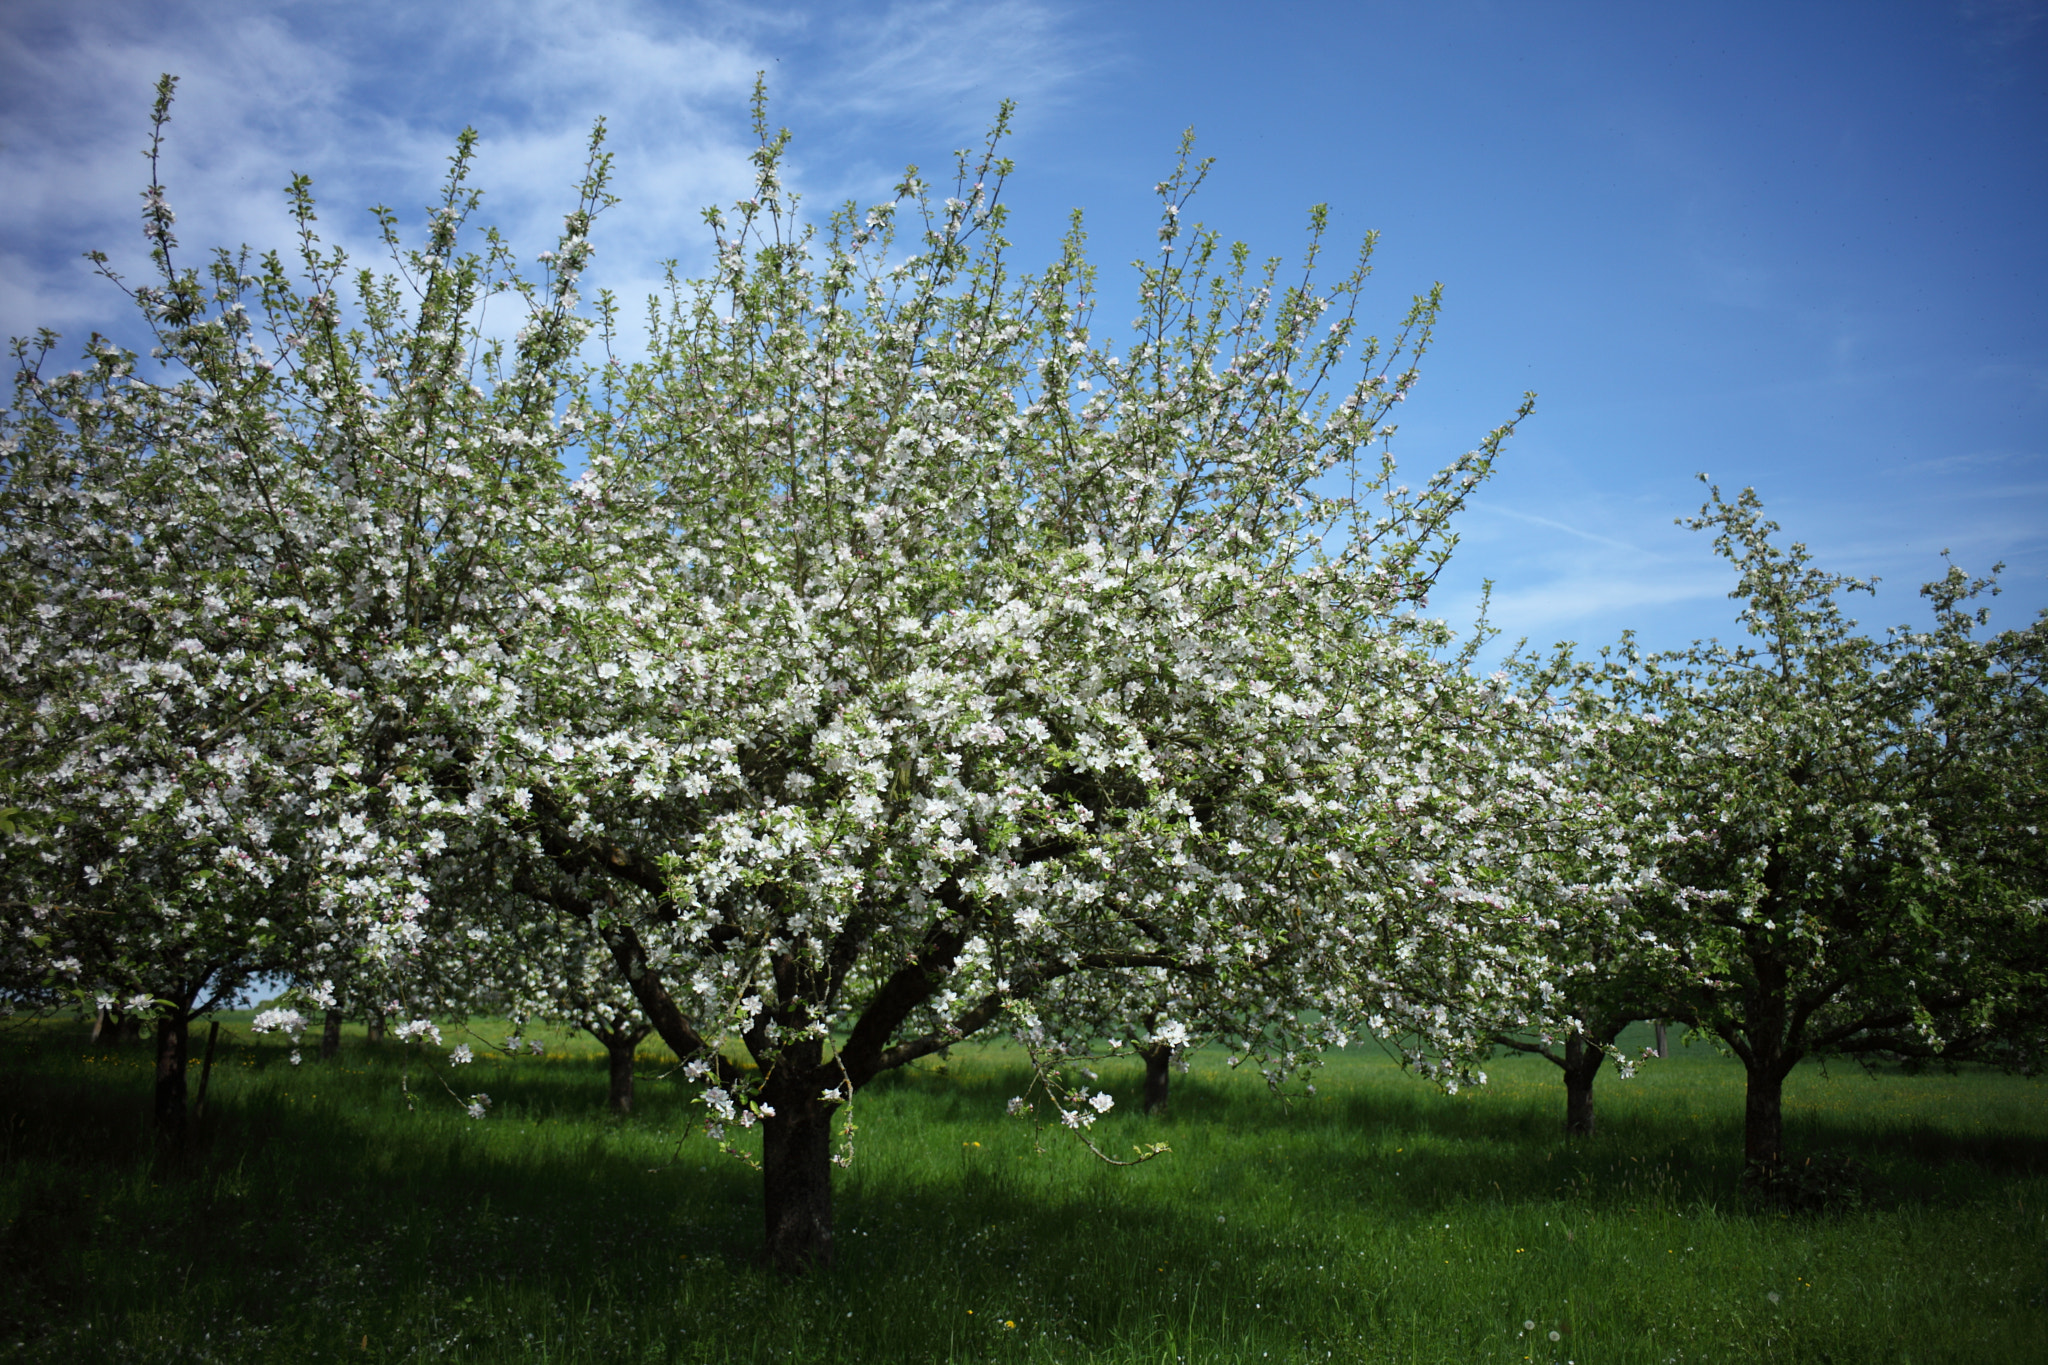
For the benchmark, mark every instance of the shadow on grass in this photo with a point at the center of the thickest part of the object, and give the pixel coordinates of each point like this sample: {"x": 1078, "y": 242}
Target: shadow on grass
{"x": 317, "y": 1217}
{"x": 1385, "y": 1139}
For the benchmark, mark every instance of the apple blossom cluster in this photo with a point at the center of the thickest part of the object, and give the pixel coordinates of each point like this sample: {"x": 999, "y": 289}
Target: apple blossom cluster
{"x": 286, "y": 1021}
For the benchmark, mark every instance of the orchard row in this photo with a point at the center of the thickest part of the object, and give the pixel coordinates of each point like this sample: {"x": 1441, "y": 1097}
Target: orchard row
{"x": 880, "y": 660}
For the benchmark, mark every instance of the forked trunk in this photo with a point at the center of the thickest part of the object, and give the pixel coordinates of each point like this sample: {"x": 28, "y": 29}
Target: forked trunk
{"x": 621, "y": 1049}
{"x": 172, "y": 1044}
{"x": 796, "y": 1181}
{"x": 1158, "y": 1076}
{"x": 1582, "y": 1060}
{"x": 330, "y": 1036}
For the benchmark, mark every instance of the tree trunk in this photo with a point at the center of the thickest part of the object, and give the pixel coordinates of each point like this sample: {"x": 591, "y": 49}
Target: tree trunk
{"x": 172, "y": 1045}
{"x": 1582, "y": 1060}
{"x": 330, "y": 1036}
{"x": 374, "y": 1027}
{"x": 1663, "y": 1038}
{"x": 1763, "y": 1115}
{"x": 796, "y": 1181}
{"x": 620, "y": 1048}
{"x": 1158, "y": 1078}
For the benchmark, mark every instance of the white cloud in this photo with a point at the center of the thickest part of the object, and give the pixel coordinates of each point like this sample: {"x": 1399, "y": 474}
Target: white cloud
{"x": 368, "y": 97}
{"x": 1551, "y": 608}
{"x": 1565, "y": 527}
{"x": 938, "y": 55}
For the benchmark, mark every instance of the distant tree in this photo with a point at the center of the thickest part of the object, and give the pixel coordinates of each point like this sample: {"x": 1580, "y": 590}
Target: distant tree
{"x": 555, "y": 967}
{"x": 1587, "y": 1042}
{"x": 1853, "y": 825}
{"x": 1607, "y": 937}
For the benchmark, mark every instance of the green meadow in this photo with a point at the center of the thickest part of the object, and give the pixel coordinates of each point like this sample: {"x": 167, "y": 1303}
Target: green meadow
{"x": 349, "y": 1211}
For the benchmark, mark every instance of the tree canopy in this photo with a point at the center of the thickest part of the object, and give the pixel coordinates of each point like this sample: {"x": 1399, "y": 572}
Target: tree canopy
{"x": 880, "y": 659}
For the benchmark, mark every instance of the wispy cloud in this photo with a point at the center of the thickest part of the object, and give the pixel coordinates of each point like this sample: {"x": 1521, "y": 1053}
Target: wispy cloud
{"x": 1567, "y": 528}
{"x": 2002, "y": 23}
{"x": 368, "y": 98}
{"x": 936, "y": 55}
{"x": 1999, "y": 34}
{"x": 1557, "y": 578}
{"x": 1559, "y": 606}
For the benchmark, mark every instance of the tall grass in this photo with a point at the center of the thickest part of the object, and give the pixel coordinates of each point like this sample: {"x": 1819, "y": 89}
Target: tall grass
{"x": 319, "y": 1218}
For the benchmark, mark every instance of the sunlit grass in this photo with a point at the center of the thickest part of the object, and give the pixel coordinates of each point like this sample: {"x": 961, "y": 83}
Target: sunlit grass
{"x": 321, "y": 1219}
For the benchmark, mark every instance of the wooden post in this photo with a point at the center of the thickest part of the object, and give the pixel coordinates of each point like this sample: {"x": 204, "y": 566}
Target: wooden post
{"x": 206, "y": 1070}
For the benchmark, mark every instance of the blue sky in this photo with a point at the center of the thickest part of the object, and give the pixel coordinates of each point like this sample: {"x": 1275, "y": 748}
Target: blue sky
{"x": 1784, "y": 244}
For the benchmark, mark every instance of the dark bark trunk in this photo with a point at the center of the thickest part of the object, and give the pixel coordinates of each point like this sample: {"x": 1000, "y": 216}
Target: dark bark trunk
{"x": 1663, "y": 1038}
{"x": 620, "y": 1050}
{"x": 796, "y": 1180}
{"x": 621, "y": 1040}
{"x": 172, "y": 1044}
{"x": 1763, "y": 1115}
{"x": 1582, "y": 1059}
{"x": 1158, "y": 1078}
{"x": 330, "y": 1036}
{"x": 1772, "y": 1049}
{"x": 373, "y": 1029}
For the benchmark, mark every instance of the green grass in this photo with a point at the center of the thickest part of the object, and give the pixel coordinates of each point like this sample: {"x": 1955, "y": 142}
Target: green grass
{"x": 319, "y": 1219}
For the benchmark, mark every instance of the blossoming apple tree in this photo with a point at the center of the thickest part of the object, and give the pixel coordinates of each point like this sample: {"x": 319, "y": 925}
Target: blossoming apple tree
{"x": 1850, "y": 825}
{"x": 218, "y": 577}
{"x": 923, "y": 660}
{"x": 903, "y": 660}
{"x": 1606, "y": 942}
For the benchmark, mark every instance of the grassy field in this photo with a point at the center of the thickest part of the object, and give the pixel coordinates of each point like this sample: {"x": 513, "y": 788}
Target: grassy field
{"x": 320, "y": 1219}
